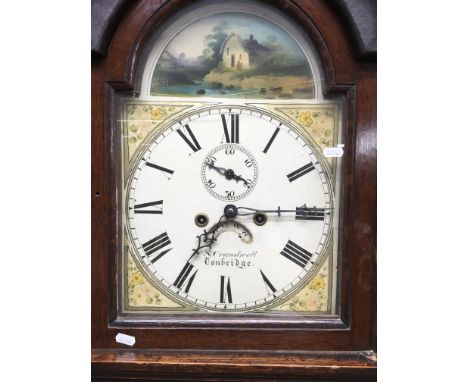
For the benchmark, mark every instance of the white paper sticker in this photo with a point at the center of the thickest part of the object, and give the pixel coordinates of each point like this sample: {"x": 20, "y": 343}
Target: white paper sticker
{"x": 334, "y": 152}
{"x": 125, "y": 339}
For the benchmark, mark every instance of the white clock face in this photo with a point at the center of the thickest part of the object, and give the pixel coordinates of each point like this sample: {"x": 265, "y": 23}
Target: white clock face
{"x": 230, "y": 209}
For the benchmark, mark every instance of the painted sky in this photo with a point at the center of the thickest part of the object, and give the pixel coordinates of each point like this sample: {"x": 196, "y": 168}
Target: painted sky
{"x": 191, "y": 40}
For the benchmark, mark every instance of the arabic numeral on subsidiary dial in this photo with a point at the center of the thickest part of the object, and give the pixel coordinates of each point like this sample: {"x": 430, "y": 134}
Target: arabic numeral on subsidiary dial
{"x": 211, "y": 184}
{"x": 230, "y": 150}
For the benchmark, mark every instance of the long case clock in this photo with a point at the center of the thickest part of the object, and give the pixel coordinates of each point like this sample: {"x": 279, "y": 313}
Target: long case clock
{"x": 234, "y": 194}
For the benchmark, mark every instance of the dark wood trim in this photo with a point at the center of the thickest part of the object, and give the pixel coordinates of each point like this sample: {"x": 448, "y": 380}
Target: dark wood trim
{"x": 122, "y": 365}
{"x": 364, "y": 274}
{"x": 359, "y": 16}
{"x": 360, "y": 19}
{"x": 105, "y": 16}
{"x": 115, "y": 248}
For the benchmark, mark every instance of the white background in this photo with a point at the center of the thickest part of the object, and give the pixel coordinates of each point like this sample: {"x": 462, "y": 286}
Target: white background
{"x": 45, "y": 193}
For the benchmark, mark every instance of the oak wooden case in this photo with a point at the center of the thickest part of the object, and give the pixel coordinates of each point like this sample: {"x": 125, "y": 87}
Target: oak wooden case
{"x": 233, "y": 347}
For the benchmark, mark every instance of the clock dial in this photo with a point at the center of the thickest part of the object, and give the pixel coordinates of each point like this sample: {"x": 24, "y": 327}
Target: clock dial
{"x": 229, "y": 209}
{"x": 229, "y": 172}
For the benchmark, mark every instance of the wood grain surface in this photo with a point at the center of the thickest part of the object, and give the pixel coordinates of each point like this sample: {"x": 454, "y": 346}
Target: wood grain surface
{"x": 155, "y": 366}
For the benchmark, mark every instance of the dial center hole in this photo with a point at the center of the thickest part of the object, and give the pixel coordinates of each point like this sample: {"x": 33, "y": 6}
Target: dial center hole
{"x": 230, "y": 211}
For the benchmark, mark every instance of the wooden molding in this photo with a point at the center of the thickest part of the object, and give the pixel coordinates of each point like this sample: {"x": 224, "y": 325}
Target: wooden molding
{"x": 118, "y": 365}
{"x": 359, "y": 16}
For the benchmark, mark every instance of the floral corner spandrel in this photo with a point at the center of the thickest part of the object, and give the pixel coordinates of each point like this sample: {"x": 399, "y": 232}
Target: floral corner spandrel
{"x": 141, "y": 294}
{"x": 318, "y": 122}
{"x": 313, "y": 297}
{"x": 144, "y": 118}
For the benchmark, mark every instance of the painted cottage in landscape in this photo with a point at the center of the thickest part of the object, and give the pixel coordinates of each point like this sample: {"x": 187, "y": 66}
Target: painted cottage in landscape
{"x": 240, "y": 54}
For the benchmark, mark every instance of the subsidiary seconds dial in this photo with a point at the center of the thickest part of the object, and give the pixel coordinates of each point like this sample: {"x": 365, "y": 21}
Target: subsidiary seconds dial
{"x": 229, "y": 209}
{"x": 229, "y": 172}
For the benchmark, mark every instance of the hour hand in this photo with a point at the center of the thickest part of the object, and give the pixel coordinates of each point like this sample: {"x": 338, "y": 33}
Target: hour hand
{"x": 207, "y": 238}
{"x": 236, "y": 177}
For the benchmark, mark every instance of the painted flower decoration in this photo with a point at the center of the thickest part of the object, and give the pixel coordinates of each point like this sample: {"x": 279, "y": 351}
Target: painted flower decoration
{"x": 157, "y": 113}
{"x": 137, "y": 278}
{"x": 317, "y": 283}
{"x": 305, "y": 118}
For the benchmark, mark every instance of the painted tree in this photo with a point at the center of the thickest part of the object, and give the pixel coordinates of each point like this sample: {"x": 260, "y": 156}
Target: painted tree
{"x": 213, "y": 42}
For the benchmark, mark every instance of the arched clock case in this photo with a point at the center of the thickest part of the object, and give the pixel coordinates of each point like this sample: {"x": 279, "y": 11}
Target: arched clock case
{"x": 233, "y": 190}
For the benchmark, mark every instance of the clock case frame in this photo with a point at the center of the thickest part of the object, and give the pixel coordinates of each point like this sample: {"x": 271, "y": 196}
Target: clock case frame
{"x": 170, "y": 346}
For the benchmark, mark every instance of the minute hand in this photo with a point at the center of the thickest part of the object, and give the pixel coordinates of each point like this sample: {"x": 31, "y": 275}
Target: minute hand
{"x": 302, "y": 213}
